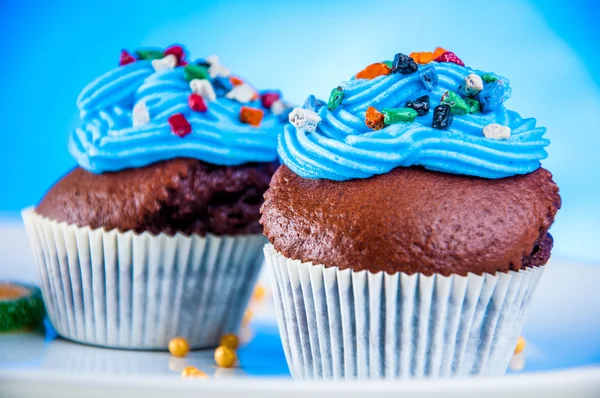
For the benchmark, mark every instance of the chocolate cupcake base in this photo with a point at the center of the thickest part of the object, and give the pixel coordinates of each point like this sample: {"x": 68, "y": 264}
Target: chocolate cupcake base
{"x": 344, "y": 324}
{"x": 138, "y": 291}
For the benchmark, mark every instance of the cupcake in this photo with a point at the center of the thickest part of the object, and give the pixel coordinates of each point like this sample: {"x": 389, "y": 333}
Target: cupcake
{"x": 156, "y": 233}
{"x": 408, "y": 226}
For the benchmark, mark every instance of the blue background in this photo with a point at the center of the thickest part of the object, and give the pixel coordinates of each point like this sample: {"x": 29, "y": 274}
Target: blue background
{"x": 548, "y": 49}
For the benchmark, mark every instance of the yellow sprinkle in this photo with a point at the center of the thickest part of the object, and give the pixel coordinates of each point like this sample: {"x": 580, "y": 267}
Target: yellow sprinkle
{"x": 230, "y": 340}
{"x": 191, "y": 372}
{"x": 179, "y": 347}
{"x": 520, "y": 345}
{"x": 225, "y": 357}
{"x": 259, "y": 293}
{"x": 247, "y": 317}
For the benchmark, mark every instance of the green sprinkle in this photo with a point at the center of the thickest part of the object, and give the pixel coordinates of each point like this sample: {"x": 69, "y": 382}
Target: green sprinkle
{"x": 335, "y": 98}
{"x": 488, "y": 78}
{"x": 398, "y": 115}
{"x": 388, "y": 63}
{"x": 149, "y": 53}
{"x": 457, "y": 105}
{"x": 191, "y": 72}
{"x": 473, "y": 105}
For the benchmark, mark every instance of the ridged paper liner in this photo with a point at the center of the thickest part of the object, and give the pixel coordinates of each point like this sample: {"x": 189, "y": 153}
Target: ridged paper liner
{"x": 341, "y": 324}
{"x": 138, "y": 291}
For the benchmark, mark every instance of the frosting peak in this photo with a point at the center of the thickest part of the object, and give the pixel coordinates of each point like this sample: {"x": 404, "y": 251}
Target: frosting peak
{"x": 427, "y": 109}
{"x": 157, "y": 107}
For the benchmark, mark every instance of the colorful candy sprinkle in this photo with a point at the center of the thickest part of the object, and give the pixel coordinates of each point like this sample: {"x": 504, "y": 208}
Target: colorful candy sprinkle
{"x": 222, "y": 85}
{"x": 242, "y": 93}
{"x": 236, "y": 81}
{"x": 421, "y": 105}
{"x": 204, "y": 88}
{"x": 267, "y": 99}
{"x": 521, "y": 343}
{"x": 259, "y": 293}
{"x": 398, "y": 115}
{"x": 179, "y": 347}
{"x": 230, "y": 340}
{"x": 196, "y": 103}
{"x": 179, "y": 125}
{"x": 140, "y": 114}
{"x": 489, "y": 78}
{"x": 335, "y": 98}
{"x": 149, "y": 53}
{"x": 176, "y": 51}
{"x": 492, "y": 96}
{"x": 496, "y": 131}
{"x": 429, "y": 77}
{"x": 472, "y": 85}
{"x": 168, "y": 62}
{"x": 423, "y": 57}
{"x": 442, "y": 117}
{"x": 193, "y": 71}
{"x": 225, "y": 357}
{"x": 473, "y": 104}
{"x": 456, "y": 103}
{"x": 251, "y": 116}
{"x": 126, "y": 58}
{"x": 438, "y": 51}
{"x": 404, "y": 64}
{"x": 374, "y": 70}
{"x": 216, "y": 69}
{"x": 449, "y": 56}
{"x": 279, "y": 107}
{"x": 304, "y": 119}
{"x": 192, "y": 372}
{"x": 374, "y": 119}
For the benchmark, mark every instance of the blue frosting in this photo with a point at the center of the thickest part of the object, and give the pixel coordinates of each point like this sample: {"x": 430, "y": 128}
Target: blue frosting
{"x": 343, "y": 147}
{"x": 108, "y": 141}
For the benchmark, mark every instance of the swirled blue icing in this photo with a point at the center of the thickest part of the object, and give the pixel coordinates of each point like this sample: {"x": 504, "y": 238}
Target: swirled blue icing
{"x": 343, "y": 147}
{"x": 108, "y": 141}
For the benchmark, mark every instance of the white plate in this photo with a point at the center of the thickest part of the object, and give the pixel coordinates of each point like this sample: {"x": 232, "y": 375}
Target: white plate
{"x": 562, "y": 357}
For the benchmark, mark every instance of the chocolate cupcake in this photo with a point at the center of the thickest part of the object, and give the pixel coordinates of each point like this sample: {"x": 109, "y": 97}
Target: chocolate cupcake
{"x": 408, "y": 224}
{"x": 156, "y": 233}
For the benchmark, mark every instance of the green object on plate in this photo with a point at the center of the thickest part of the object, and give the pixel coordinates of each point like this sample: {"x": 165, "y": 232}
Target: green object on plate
{"x": 21, "y": 307}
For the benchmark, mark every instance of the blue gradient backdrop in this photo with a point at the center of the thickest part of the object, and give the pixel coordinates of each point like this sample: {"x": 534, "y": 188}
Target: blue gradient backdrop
{"x": 548, "y": 49}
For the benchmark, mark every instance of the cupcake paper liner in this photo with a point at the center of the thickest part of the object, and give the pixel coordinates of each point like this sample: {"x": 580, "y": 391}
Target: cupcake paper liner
{"x": 341, "y": 324}
{"x": 138, "y": 291}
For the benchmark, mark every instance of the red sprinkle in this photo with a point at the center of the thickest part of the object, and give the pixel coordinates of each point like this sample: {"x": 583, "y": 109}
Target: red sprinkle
{"x": 179, "y": 125}
{"x": 126, "y": 58}
{"x": 182, "y": 62}
{"x": 176, "y": 51}
{"x": 196, "y": 103}
{"x": 449, "y": 56}
{"x": 267, "y": 99}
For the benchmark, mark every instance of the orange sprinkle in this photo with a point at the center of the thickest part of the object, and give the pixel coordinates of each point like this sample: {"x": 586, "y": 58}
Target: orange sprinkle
{"x": 424, "y": 57}
{"x": 12, "y": 292}
{"x": 259, "y": 293}
{"x": 439, "y": 51}
{"x": 247, "y": 317}
{"x": 236, "y": 81}
{"x": 374, "y": 119}
{"x": 374, "y": 70}
{"x": 251, "y": 116}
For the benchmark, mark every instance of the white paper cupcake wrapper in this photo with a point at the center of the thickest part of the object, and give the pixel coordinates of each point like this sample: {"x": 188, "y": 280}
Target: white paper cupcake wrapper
{"x": 138, "y": 291}
{"x": 341, "y": 324}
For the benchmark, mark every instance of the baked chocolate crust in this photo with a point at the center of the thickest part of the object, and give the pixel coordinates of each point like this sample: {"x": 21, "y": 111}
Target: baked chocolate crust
{"x": 413, "y": 220}
{"x": 178, "y": 195}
